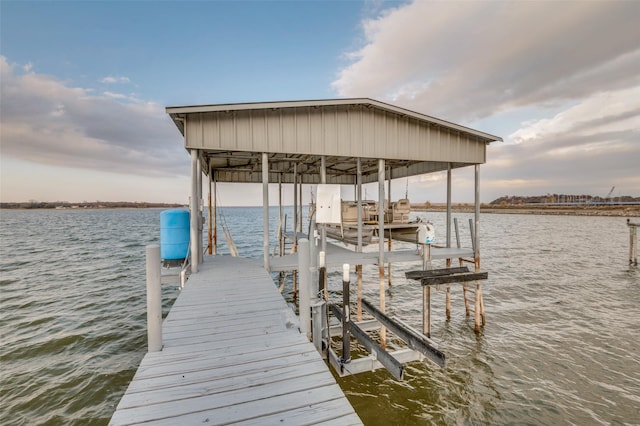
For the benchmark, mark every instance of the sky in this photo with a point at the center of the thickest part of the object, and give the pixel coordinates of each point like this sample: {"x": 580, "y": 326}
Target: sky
{"x": 84, "y": 86}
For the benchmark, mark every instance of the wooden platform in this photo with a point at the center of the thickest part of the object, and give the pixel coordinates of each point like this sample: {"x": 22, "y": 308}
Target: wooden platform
{"x": 233, "y": 354}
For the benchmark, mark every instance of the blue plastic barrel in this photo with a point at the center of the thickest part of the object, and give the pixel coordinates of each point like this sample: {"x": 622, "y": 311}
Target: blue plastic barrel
{"x": 174, "y": 234}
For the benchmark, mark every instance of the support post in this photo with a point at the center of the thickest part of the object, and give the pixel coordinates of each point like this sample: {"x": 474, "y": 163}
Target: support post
{"x": 295, "y": 208}
{"x": 154, "y": 298}
{"x": 359, "y": 202}
{"x": 346, "y": 318}
{"x": 633, "y": 242}
{"x": 209, "y": 215}
{"x": 305, "y": 287}
{"x": 359, "y": 246}
{"x": 476, "y": 234}
{"x": 322, "y": 280}
{"x": 215, "y": 217}
{"x": 359, "y": 302}
{"x": 265, "y": 209}
{"x": 280, "y": 229}
{"x": 200, "y": 210}
{"x": 323, "y": 180}
{"x": 381, "y": 169}
{"x": 318, "y": 321}
{"x": 193, "y": 207}
{"x": 449, "y": 206}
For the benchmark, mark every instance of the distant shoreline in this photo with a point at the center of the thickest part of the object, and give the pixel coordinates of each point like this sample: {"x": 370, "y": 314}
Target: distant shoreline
{"x": 617, "y": 211}
{"x": 86, "y": 205}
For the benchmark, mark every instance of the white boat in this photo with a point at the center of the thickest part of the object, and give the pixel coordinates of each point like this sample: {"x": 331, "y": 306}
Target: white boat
{"x": 397, "y": 223}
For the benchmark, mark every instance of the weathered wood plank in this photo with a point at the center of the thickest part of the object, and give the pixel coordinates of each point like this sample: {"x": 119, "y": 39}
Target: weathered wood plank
{"x": 179, "y": 378}
{"x": 233, "y": 353}
{"x": 218, "y": 384}
{"x": 261, "y": 393}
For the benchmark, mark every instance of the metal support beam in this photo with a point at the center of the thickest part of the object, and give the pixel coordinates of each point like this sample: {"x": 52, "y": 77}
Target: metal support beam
{"x": 193, "y": 207}
{"x": 477, "y": 216}
{"x": 448, "y": 205}
{"x": 210, "y": 214}
{"x": 200, "y": 208}
{"x": 381, "y": 170}
{"x": 413, "y": 339}
{"x": 295, "y": 206}
{"x": 265, "y": 208}
{"x": 392, "y": 365}
{"x": 359, "y": 202}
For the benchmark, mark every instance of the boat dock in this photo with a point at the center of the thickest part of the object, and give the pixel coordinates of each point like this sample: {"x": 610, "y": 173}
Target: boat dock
{"x": 232, "y": 353}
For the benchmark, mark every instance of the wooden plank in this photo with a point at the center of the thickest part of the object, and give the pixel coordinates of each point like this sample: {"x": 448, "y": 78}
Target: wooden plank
{"x": 229, "y": 405}
{"x": 217, "y": 384}
{"x": 179, "y": 378}
{"x": 456, "y": 278}
{"x": 255, "y": 409}
{"x": 233, "y": 353}
{"x": 276, "y": 356}
{"x": 334, "y": 412}
{"x": 416, "y": 275}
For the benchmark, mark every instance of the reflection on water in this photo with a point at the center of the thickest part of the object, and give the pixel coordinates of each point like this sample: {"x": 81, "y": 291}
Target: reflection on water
{"x": 560, "y": 344}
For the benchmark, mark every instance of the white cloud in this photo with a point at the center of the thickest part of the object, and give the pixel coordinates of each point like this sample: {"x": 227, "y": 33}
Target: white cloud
{"x": 112, "y": 80}
{"x": 47, "y": 121}
{"x": 574, "y": 65}
{"x": 468, "y": 60}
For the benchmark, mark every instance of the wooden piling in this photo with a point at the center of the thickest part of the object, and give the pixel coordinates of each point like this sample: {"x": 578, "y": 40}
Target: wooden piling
{"x": 633, "y": 242}
{"x": 154, "y": 298}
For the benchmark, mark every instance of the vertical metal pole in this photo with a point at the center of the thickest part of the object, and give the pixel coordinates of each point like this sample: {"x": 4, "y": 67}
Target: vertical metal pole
{"x": 154, "y": 299}
{"x": 346, "y": 334}
{"x": 265, "y": 208}
{"x": 359, "y": 301}
{"x": 193, "y": 206}
{"x": 449, "y": 206}
{"x": 476, "y": 236}
{"x": 280, "y": 230}
{"x": 215, "y": 213}
{"x": 300, "y": 198}
{"x": 295, "y": 206}
{"x": 359, "y": 202}
{"x": 323, "y": 180}
{"x": 381, "y": 168}
{"x": 209, "y": 215}
{"x": 359, "y": 247}
{"x": 305, "y": 287}
{"x": 200, "y": 211}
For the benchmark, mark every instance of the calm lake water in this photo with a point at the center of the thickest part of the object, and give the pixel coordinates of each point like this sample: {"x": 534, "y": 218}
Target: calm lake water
{"x": 560, "y": 346}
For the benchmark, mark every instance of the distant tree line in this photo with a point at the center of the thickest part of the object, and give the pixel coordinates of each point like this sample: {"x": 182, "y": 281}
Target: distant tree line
{"x": 515, "y": 200}
{"x": 32, "y": 204}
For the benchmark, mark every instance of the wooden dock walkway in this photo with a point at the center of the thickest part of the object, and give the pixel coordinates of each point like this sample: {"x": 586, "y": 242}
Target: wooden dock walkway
{"x": 233, "y": 354}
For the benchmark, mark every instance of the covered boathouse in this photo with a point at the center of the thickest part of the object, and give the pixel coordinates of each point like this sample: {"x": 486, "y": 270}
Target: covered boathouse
{"x": 231, "y": 350}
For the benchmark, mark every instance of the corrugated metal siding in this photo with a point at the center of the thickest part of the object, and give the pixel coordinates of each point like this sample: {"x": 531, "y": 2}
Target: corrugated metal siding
{"x": 332, "y": 130}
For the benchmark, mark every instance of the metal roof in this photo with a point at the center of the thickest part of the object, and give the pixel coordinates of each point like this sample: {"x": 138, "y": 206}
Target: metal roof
{"x": 230, "y": 139}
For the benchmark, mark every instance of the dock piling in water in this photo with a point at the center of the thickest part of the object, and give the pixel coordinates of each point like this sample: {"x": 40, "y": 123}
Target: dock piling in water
{"x": 154, "y": 299}
{"x": 633, "y": 242}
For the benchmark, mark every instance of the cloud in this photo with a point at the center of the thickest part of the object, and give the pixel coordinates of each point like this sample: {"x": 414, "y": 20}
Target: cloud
{"x": 48, "y": 121}
{"x": 463, "y": 61}
{"x": 586, "y": 148}
{"x": 112, "y": 80}
{"x": 573, "y": 66}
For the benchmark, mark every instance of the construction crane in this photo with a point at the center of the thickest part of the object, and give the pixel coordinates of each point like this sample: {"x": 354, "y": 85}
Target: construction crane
{"x": 610, "y": 192}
